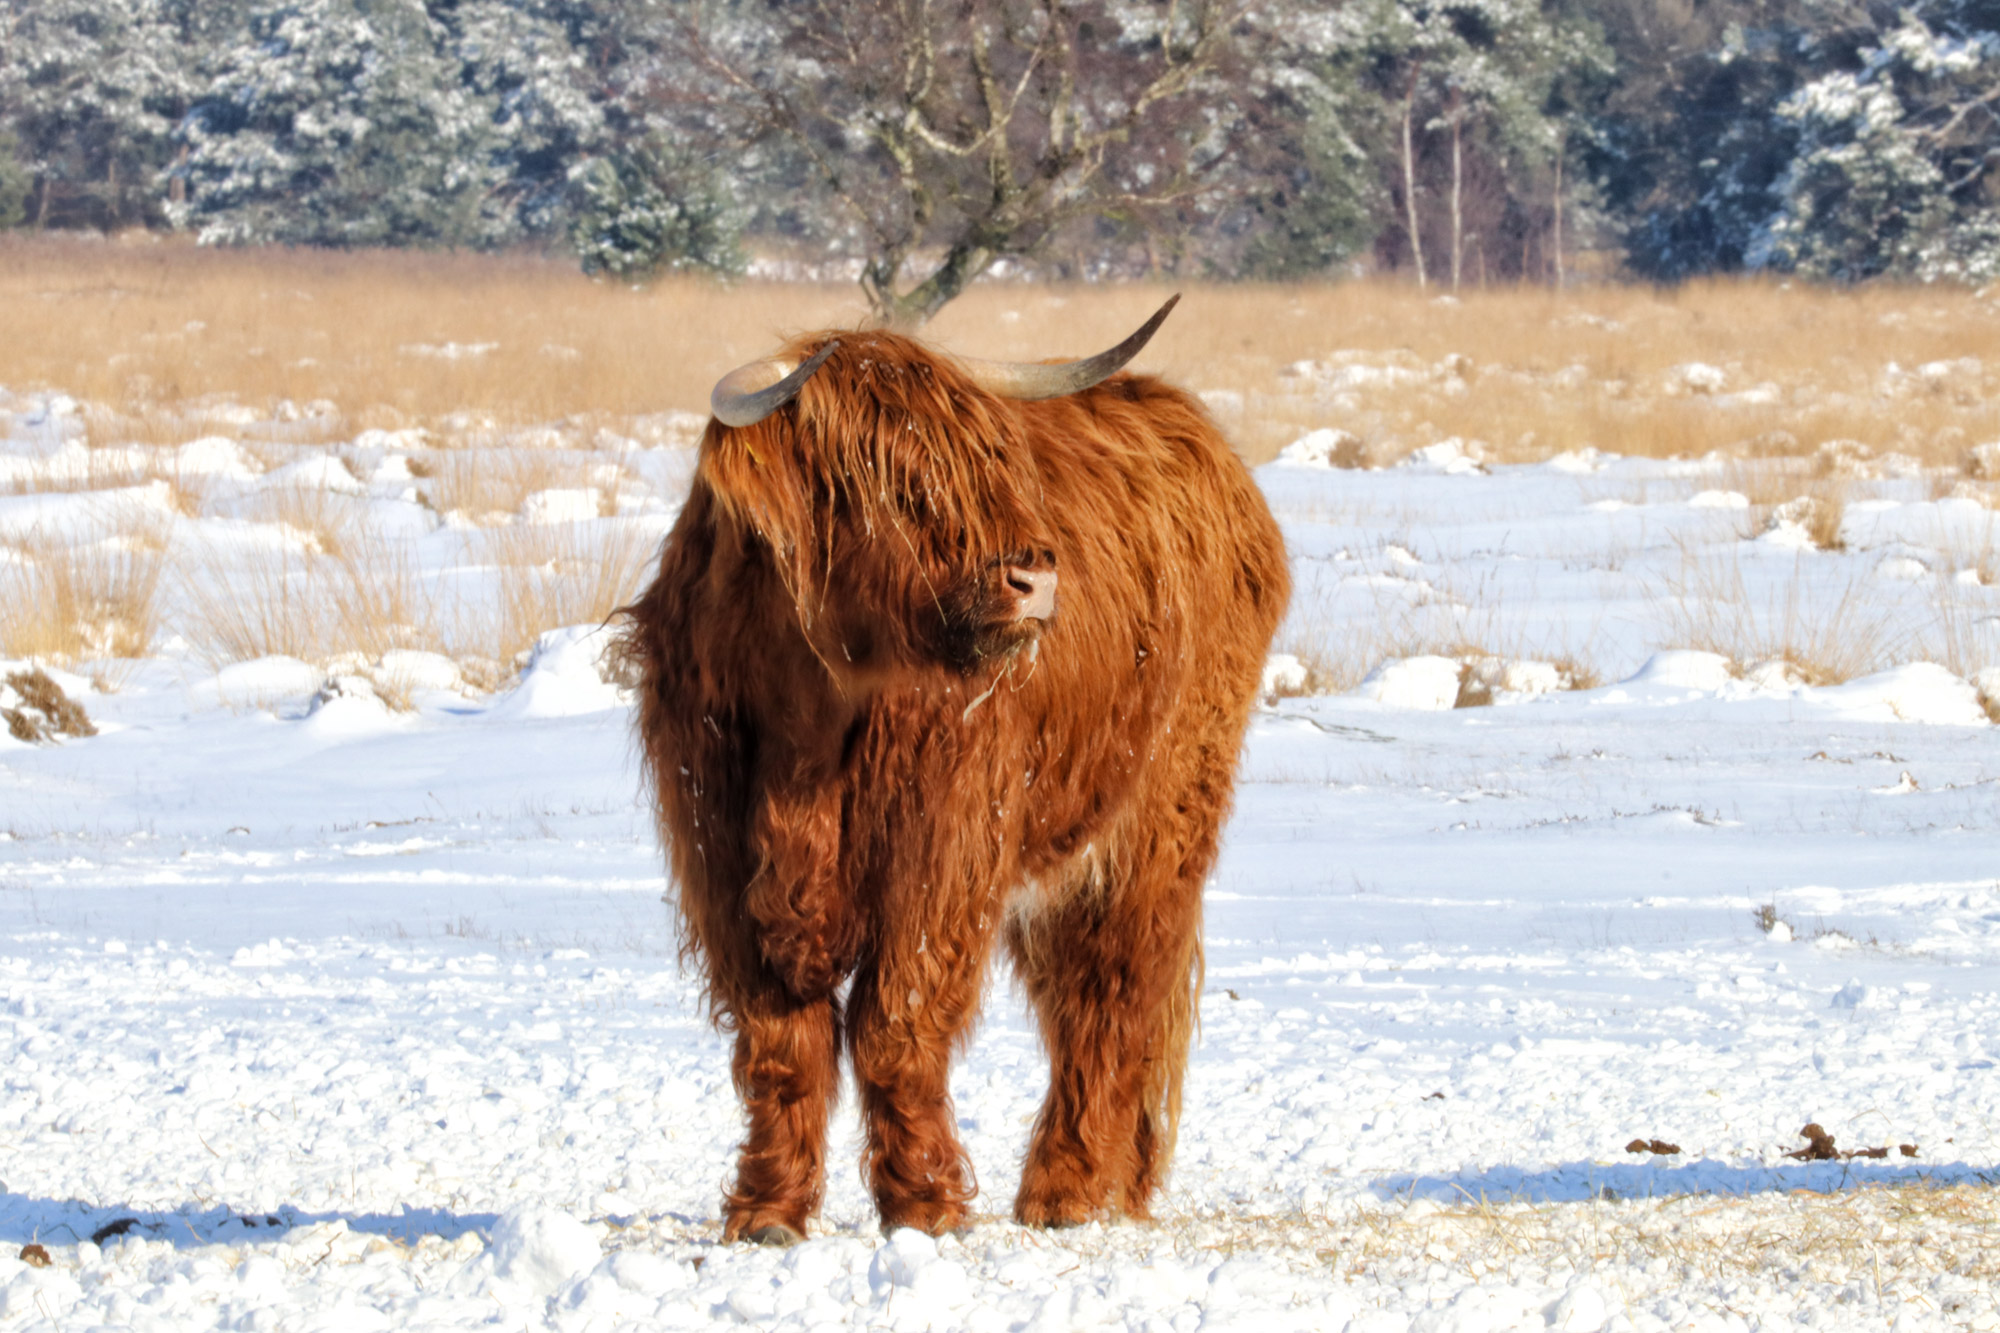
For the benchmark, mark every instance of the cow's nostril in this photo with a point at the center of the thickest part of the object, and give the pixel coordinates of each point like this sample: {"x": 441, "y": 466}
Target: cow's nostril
{"x": 1037, "y": 591}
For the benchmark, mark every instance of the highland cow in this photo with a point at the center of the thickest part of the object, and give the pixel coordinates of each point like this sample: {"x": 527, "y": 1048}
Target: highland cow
{"x": 944, "y": 654}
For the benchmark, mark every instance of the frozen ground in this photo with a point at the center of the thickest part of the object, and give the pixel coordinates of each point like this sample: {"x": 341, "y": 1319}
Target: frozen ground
{"x": 370, "y": 1019}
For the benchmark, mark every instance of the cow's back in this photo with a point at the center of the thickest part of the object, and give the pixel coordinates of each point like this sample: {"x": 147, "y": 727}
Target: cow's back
{"x": 1173, "y": 581}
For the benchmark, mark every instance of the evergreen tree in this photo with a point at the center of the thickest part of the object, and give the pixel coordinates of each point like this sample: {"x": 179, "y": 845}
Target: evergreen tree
{"x": 16, "y": 181}
{"x": 344, "y": 122}
{"x": 646, "y": 209}
{"x": 1892, "y": 169}
{"x": 92, "y": 91}
{"x": 1473, "y": 126}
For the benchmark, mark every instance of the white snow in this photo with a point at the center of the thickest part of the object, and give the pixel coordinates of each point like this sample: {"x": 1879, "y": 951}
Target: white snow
{"x": 1425, "y": 683}
{"x": 339, "y": 995}
{"x": 1325, "y": 447}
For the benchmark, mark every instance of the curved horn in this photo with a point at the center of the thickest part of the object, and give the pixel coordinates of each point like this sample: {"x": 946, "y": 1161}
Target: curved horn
{"x": 748, "y": 394}
{"x": 1027, "y": 380}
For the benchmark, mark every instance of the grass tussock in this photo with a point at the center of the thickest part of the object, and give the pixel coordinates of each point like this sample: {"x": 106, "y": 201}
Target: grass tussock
{"x": 34, "y": 709}
{"x": 542, "y": 577}
{"x": 1710, "y": 605}
{"x": 362, "y": 599}
{"x": 64, "y": 605}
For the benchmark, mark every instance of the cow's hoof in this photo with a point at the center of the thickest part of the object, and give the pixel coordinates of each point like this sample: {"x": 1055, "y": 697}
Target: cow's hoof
{"x": 774, "y": 1234}
{"x": 934, "y": 1217}
{"x": 1055, "y": 1214}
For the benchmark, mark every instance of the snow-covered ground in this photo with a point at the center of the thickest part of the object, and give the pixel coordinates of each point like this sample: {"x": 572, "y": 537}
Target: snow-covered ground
{"x": 321, "y": 1014}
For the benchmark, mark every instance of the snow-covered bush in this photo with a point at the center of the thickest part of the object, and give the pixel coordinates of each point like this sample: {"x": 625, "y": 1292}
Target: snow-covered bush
{"x": 1888, "y": 176}
{"x": 643, "y": 210}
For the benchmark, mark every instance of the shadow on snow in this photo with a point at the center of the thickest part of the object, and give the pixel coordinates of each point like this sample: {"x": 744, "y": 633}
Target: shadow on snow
{"x": 1655, "y": 1179}
{"x": 67, "y": 1221}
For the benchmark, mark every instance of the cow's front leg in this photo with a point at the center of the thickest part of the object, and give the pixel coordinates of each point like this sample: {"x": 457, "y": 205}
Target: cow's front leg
{"x": 787, "y": 1071}
{"x": 911, "y": 1005}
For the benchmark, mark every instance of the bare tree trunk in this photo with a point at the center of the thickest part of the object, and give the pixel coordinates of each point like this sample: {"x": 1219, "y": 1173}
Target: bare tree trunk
{"x": 42, "y": 209}
{"x": 1457, "y": 188}
{"x": 1479, "y": 248}
{"x": 1559, "y": 216}
{"x": 1410, "y": 182}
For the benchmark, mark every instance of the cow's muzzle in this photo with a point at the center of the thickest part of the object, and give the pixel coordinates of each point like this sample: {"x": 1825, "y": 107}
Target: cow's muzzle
{"x": 1034, "y": 591}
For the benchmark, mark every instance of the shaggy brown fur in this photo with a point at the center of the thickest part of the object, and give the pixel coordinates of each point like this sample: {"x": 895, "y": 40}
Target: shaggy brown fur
{"x": 868, "y": 766}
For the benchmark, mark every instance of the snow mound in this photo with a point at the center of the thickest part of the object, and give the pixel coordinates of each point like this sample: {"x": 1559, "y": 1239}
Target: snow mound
{"x": 265, "y": 680}
{"x": 929, "y": 1289}
{"x": 1718, "y": 500}
{"x": 539, "y": 1248}
{"x": 393, "y": 441}
{"x": 1901, "y": 569}
{"x": 561, "y": 505}
{"x": 83, "y": 516}
{"x": 1917, "y": 692}
{"x": 1428, "y": 684}
{"x": 1453, "y": 457}
{"x": 1685, "y": 669}
{"x": 570, "y": 671}
{"x": 215, "y": 456}
{"x": 324, "y": 473}
{"x": 407, "y": 670}
{"x": 1695, "y": 377}
{"x": 1283, "y": 674}
{"x": 1579, "y": 461}
{"x": 347, "y": 706}
{"x": 1326, "y": 447}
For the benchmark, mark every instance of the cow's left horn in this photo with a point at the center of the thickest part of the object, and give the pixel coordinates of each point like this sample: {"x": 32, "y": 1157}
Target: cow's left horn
{"x": 1028, "y": 380}
{"x": 748, "y": 394}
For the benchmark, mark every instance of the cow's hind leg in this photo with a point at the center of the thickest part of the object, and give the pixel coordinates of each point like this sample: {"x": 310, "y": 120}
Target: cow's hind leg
{"x": 1110, "y": 966}
{"x": 909, "y": 1010}
{"x": 787, "y": 1071}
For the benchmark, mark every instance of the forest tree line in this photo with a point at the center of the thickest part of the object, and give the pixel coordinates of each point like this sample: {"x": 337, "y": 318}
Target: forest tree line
{"x": 918, "y": 144}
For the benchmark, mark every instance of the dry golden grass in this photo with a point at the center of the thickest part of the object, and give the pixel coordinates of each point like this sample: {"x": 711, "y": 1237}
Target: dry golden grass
{"x": 360, "y": 597}
{"x": 321, "y": 517}
{"x": 545, "y": 577}
{"x": 492, "y": 485}
{"x": 1893, "y": 1239}
{"x": 1708, "y": 606}
{"x": 64, "y": 605}
{"x": 155, "y": 337}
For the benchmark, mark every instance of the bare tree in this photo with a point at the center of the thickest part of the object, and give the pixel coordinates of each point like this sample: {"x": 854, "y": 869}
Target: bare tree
{"x": 953, "y": 134}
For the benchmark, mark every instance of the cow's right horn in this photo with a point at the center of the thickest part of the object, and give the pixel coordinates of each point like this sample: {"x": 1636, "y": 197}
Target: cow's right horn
{"x": 1031, "y": 380}
{"x": 748, "y": 394}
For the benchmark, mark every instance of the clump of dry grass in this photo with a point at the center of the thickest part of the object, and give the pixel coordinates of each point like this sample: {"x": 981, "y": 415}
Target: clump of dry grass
{"x": 35, "y": 709}
{"x": 1790, "y": 491}
{"x": 67, "y": 604}
{"x": 322, "y": 518}
{"x": 492, "y": 485}
{"x": 545, "y": 577}
{"x": 363, "y": 598}
{"x": 1708, "y": 606}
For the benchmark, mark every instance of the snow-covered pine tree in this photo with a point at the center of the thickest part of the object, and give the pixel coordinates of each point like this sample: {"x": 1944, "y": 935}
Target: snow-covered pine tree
{"x": 92, "y": 91}
{"x": 645, "y": 208}
{"x": 1894, "y": 171}
{"x": 1472, "y": 126}
{"x": 345, "y": 122}
{"x": 546, "y": 73}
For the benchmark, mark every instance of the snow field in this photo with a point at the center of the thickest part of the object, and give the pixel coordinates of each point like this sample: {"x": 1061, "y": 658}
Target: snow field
{"x": 347, "y": 981}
